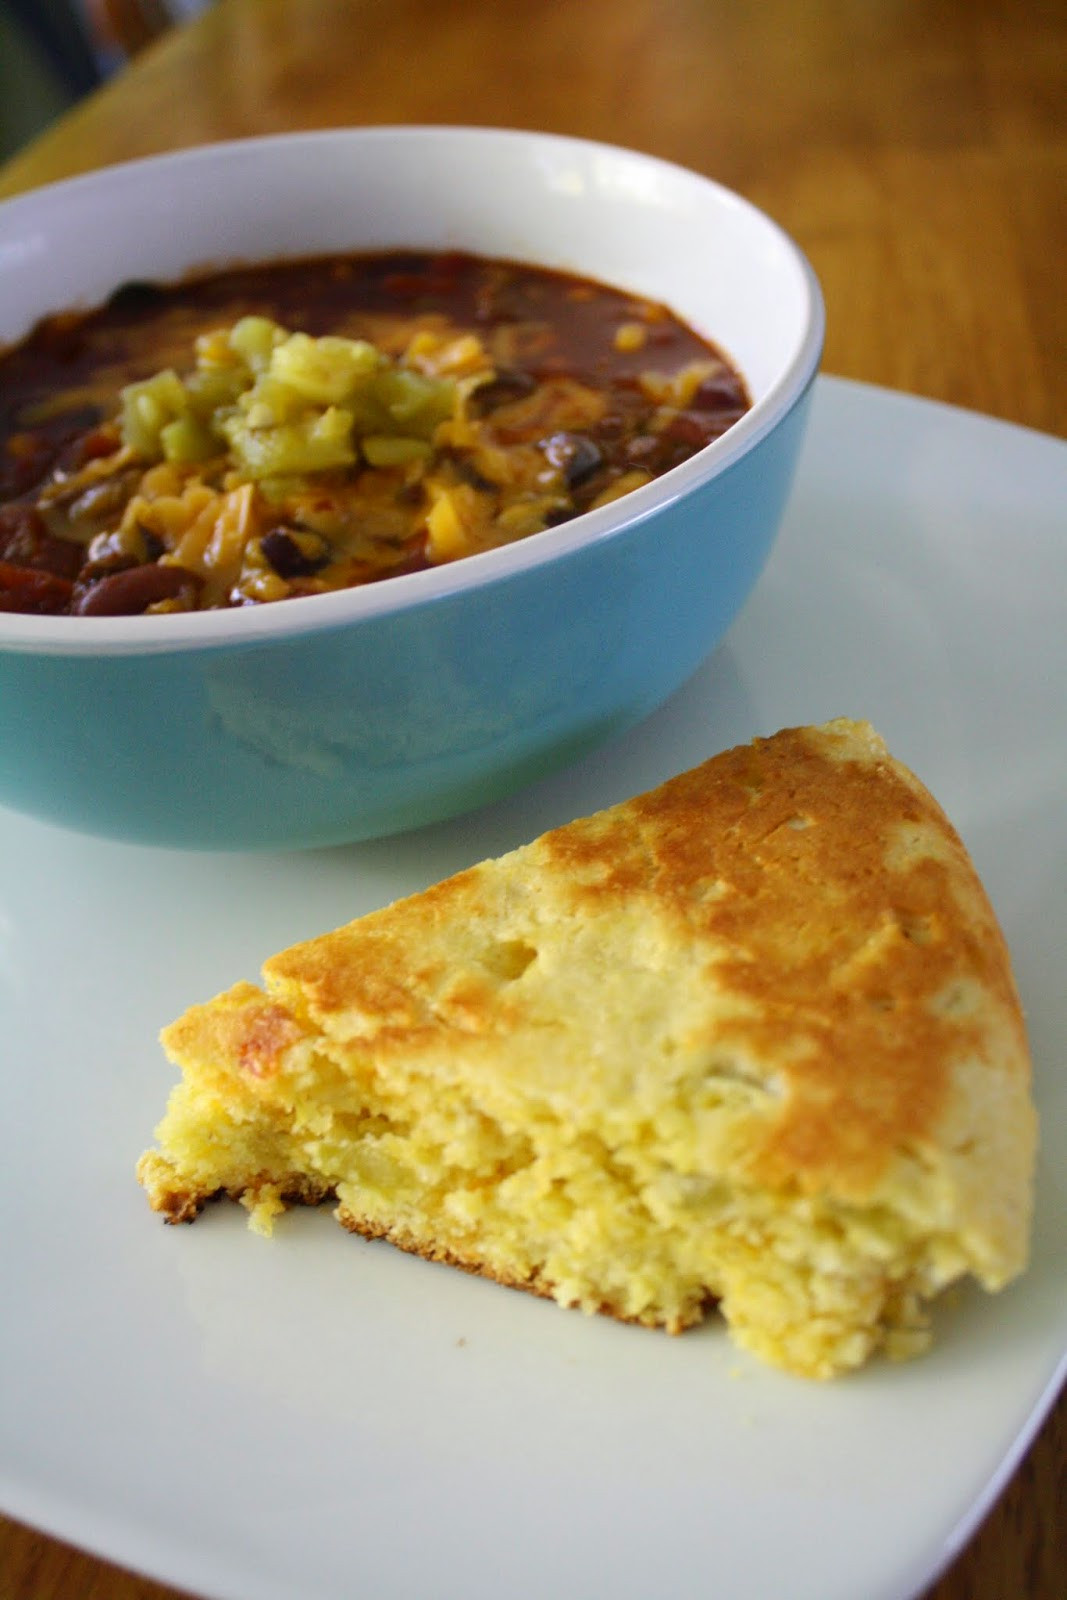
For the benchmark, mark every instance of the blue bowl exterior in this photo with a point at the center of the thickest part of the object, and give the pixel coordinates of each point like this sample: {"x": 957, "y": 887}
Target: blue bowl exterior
{"x": 405, "y": 719}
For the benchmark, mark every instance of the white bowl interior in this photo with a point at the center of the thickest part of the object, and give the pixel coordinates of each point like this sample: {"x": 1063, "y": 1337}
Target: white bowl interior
{"x": 606, "y": 212}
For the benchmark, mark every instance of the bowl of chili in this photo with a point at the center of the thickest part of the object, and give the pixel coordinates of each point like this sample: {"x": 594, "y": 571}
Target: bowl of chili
{"x": 350, "y": 480}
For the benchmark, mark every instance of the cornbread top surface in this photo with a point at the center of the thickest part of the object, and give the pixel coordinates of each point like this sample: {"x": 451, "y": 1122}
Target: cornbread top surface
{"x": 793, "y": 930}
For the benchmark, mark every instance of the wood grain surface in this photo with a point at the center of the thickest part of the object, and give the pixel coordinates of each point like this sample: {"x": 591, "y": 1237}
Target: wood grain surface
{"x": 916, "y": 149}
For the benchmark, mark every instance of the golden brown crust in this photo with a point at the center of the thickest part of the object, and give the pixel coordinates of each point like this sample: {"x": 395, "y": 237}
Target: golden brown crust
{"x": 842, "y": 946}
{"x": 834, "y": 904}
{"x": 248, "y": 1030}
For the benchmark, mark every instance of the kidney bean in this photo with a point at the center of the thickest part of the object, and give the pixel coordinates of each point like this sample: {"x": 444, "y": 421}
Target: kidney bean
{"x": 686, "y": 430}
{"x": 722, "y": 393}
{"x": 28, "y": 590}
{"x": 26, "y": 542}
{"x": 131, "y": 591}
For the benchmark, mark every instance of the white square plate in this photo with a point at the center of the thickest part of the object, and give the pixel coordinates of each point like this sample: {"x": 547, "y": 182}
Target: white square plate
{"x": 315, "y": 1416}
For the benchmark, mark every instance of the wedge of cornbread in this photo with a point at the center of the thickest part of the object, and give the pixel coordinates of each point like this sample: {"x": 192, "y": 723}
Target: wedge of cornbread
{"x": 750, "y": 1039}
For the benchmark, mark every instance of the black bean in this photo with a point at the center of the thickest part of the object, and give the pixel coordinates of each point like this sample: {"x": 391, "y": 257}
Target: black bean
{"x": 510, "y": 383}
{"x": 573, "y": 454}
{"x": 290, "y": 558}
{"x": 153, "y": 544}
{"x": 136, "y": 295}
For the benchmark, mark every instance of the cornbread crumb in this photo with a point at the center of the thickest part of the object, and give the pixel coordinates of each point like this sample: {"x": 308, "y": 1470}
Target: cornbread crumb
{"x": 748, "y": 1040}
{"x": 263, "y": 1205}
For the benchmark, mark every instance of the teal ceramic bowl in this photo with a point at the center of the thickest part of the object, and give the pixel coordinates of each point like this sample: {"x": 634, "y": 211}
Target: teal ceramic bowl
{"x": 350, "y": 715}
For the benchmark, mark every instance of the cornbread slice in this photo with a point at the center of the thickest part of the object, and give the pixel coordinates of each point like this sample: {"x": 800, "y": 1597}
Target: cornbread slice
{"x": 751, "y": 1038}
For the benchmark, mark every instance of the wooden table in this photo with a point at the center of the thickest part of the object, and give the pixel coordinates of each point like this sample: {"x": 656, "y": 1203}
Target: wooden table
{"x": 918, "y": 152}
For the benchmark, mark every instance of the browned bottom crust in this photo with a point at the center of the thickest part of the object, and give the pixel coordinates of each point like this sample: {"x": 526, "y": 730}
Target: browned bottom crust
{"x": 183, "y": 1205}
{"x": 534, "y": 1283}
